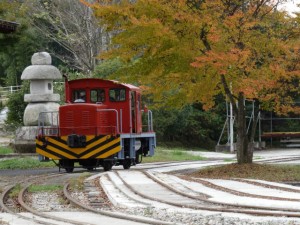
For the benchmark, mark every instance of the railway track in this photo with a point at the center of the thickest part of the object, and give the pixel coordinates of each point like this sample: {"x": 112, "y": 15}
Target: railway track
{"x": 23, "y": 209}
{"x": 145, "y": 191}
{"x": 186, "y": 198}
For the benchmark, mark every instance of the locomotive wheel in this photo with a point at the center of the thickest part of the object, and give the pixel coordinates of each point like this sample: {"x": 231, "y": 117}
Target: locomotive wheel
{"x": 126, "y": 164}
{"x": 90, "y": 168}
{"x": 67, "y": 164}
{"x": 107, "y": 165}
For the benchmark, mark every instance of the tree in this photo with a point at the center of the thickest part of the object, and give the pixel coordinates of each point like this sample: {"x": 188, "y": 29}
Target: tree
{"x": 251, "y": 47}
{"x": 74, "y": 35}
{"x": 190, "y": 51}
{"x": 16, "y": 48}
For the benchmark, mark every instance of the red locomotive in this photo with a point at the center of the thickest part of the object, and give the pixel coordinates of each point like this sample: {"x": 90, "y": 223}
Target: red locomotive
{"x": 100, "y": 125}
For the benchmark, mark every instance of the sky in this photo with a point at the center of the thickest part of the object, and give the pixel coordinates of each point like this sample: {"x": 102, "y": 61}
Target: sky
{"x": 291, "y": 6}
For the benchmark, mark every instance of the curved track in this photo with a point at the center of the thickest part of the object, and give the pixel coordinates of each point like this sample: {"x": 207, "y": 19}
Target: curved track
{"x": 146, "y": 187}
{"x": 88, "y": 214}
{"x": 157, "y": 188}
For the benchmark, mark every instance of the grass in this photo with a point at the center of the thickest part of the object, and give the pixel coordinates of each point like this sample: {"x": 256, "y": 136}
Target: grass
{"x": 277, "y": 173}
{"x": 45, "y": 188}
{"x": 15, "y": 191}
{"x": 78, "y": 182}
{"x": 5, "y": 150}
{"x": 168, "y": 154}
{"x": 24, "y": 163}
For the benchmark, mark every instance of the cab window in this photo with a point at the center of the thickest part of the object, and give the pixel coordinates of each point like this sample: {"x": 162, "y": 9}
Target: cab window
{"x": 117, "y": 95}
{"x": 79, "y": 96}
{"x": 97, "y": 95}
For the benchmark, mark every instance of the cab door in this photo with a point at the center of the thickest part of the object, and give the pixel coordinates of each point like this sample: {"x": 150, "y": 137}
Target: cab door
{"x": 135, "y": 101}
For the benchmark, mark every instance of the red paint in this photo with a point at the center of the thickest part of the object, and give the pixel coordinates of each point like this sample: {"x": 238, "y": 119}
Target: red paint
{"x": 90, "y": 118}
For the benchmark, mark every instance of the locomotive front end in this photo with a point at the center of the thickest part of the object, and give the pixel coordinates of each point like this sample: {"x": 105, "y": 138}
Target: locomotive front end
{"x": 100, "y": 125}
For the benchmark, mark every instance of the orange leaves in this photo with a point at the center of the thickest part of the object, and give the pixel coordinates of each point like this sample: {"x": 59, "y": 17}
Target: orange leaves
{"x": 223, "y": 61}
{"x": 180, "y": 52}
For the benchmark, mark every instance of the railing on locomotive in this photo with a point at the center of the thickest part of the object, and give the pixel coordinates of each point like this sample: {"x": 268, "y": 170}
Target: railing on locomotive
{"x": 149, "y": 125}
{"x": 52, "y": 129}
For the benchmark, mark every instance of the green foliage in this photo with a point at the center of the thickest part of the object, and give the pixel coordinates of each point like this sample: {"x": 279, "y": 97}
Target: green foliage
{"x": 17, "y": 48}
{"x": 159, "y": 40}
{"x": 24, "y": 163}
{"x": 107, "y": 68}
{"x": 5, "y": 150}
{"x": 171, "y": 154}
{"x": 190, "y": 126}
{"x": 16, "y": 106}
{"x": 45, "y": 188}
{"x": 78, "y": 182}
{"x": 15, "y": 53}
{"x": 15, "y": 191}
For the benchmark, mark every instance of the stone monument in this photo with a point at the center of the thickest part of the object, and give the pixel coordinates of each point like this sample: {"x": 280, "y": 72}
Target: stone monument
{"x": 41, "y": 99}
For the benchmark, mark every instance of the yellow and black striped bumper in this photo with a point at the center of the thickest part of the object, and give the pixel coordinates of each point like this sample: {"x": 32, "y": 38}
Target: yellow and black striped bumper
{"x": 98, "y": 147}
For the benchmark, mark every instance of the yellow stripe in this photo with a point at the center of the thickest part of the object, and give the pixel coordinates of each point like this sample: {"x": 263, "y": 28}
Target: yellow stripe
{"x": 65, "y": 146}
{"x": 101, "y": 148}
{"x": 61, "y": 152}
{"x": 98, "y": 142}
{"x": 76, "y": 150}
{"x": 79, "y": 150}
{"x": 109, "y": 153}
{"x": 46, "y": 154}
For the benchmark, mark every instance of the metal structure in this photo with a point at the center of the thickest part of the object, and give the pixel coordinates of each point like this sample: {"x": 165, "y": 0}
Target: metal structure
{"x": 229, "y": 124}
{"x": 7, "y": 26}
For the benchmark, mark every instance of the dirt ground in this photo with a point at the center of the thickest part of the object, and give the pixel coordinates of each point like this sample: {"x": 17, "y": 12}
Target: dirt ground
{"x": 277, "y": 173}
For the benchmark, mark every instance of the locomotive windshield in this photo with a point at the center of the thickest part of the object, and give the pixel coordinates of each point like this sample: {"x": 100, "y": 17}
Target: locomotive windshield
{"x": 79, "y": 96}
{"x": 117, "y": 95}
{"x": 97, "y": 95}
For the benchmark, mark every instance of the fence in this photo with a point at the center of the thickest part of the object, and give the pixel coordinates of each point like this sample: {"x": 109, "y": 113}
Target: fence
{"x": 6, "y": 91}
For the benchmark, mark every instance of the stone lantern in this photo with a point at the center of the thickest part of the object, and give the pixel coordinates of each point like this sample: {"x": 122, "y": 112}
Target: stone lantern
{"x": 41, "y": 99}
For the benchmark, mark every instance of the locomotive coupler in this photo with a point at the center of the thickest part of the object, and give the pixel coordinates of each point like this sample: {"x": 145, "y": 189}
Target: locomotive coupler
{"x": 76, "y": 141}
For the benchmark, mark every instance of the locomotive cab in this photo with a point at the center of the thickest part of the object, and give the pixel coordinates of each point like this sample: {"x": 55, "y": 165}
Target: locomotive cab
{"x": 100, "y": 125}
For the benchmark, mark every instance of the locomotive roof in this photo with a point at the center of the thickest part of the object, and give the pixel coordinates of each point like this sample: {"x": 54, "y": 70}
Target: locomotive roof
{"x": 129, "y": 86}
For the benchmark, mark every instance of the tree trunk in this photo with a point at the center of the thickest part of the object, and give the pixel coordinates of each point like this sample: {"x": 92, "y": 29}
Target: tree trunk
{"x": 244, "y": 148}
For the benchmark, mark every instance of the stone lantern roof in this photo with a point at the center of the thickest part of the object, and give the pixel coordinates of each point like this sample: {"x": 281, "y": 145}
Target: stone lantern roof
{"x": 41, "y": 68}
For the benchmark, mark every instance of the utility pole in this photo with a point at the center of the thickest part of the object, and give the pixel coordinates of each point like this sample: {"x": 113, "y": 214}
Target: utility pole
{"x": 231, "y": 122}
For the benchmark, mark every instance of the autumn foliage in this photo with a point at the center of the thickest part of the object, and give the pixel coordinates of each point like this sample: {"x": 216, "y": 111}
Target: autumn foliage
{"x": 189, "y": 51}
